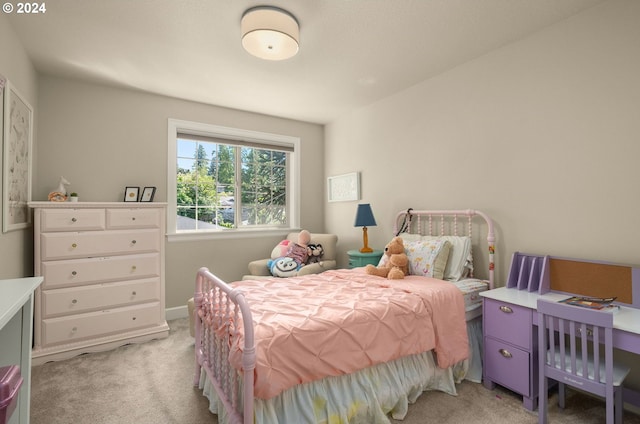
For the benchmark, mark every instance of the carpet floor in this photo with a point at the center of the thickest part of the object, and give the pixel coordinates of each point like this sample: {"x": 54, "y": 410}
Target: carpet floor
{"x": 152, "y": 383}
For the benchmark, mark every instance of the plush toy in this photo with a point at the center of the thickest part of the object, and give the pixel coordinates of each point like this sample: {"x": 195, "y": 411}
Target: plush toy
{"x": 283, "y": 267}
{"x": 281, "y": 249}
{"x": 396, "y": 265}
{"x": 298, "y": 251}
{"x": 314, "y": 253}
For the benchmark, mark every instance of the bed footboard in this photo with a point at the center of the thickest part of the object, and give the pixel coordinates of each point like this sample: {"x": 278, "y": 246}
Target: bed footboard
{"x": 220, "y": 310}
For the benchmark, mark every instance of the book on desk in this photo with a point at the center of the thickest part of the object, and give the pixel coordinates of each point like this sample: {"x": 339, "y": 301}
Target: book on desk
{"x": 604, "y": 304}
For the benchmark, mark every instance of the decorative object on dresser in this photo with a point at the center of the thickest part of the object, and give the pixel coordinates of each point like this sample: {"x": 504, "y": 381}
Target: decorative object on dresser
{"x": 73, "y": 197}
{"x": 147, "y": 194}
{"x": 131, "y": 194}
{"x": 364, "y": 219}
{"x": 358, "y": 259}
{"x": 103, "y": 269}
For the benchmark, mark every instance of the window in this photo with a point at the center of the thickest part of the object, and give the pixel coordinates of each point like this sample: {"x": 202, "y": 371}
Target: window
{"x": 229, "y": 181}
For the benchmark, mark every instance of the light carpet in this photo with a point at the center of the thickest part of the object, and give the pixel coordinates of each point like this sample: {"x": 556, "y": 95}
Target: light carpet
{"x": 152, "y": 383}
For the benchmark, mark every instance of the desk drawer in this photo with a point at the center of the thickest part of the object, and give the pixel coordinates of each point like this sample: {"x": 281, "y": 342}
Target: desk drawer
{"x": 102, "y": 323}
{"x": 508, "y": 322}
{"x": 507, "y": 365}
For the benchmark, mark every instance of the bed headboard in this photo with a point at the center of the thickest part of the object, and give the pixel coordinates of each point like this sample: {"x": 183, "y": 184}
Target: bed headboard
{"x": 452, "y": 223}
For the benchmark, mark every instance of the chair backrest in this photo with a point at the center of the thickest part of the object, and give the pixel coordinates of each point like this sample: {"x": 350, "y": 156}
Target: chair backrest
{"x": 328, "y": 241}
{"x": 571, "y": 338}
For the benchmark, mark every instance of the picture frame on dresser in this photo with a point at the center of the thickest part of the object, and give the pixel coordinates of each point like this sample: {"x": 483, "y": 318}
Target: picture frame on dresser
{"x": 131, "y": 194}
{"x": 147, "y": 194}
{"x": 17, "y": 136}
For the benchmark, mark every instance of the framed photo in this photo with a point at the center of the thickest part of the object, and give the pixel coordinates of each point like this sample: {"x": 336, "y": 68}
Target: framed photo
{"x": 343, "y": 188}
{"x": 131, "y": 194}
{"x": 17, "y": 137}
{"x": 147, "y": 194}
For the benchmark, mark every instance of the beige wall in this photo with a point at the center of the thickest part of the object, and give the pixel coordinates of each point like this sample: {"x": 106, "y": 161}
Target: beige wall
{"x": 16, "y": 247}
{"x": 102, "y": 139}
{"x": 543, "y": 135}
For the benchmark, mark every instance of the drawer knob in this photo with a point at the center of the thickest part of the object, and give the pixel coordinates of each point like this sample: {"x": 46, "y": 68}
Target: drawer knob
{"x": 74, "y": 329}
{"x": 133, "y": 267}
{"x": 74, "y": 273}
{"x": 74, "y": 301}
{"x": 133, "y": 242}
{"x": 74, "y": 245}
{"x": 133, "y": 218}
{"x": 134, "y": 318}
{"x": 506, "y": 309}
{"x": 133, "y": 293}
{"x": 74, "y": 219}
{"x": 505, "y": 353}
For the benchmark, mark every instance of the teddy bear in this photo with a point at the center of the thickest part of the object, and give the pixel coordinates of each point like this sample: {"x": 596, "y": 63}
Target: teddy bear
{"x": 395, "y": 263}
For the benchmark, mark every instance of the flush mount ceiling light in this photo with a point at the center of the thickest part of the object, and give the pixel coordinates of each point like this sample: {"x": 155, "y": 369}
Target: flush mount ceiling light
{"x": 270, "y": 33}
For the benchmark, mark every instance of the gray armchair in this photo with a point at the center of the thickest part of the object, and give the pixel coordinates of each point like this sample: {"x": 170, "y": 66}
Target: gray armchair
{"x": 259, "y": 269}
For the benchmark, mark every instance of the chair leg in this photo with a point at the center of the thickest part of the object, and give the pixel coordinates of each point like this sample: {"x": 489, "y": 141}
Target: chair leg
{"x": 543, "y": 400}
{"x": 618, "y": 404}
{"x": 562, "y": 393}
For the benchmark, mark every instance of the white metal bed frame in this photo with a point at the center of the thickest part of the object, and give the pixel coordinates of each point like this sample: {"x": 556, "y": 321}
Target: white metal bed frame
{"x": 233, "y": 387}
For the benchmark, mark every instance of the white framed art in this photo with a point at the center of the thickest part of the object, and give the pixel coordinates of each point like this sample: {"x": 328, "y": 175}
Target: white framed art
{"x": 344, "y": 188}
{"x": 17, "y": 144}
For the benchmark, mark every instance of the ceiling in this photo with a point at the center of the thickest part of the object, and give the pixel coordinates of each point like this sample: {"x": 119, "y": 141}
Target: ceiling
{"x": 352, "y": 52}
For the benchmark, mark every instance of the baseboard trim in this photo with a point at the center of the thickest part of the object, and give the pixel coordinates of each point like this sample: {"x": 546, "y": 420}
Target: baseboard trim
{"x": 176, "y": 313}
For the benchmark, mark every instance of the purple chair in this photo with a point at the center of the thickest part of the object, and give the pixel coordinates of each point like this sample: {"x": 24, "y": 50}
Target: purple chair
{"x": 567, "y": 357}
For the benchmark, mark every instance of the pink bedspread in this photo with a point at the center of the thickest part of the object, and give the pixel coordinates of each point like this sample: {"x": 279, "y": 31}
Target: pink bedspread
{"x": 341, "y": 321}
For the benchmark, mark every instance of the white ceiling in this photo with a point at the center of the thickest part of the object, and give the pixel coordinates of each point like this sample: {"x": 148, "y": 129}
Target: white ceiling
{"x": 352, "y": 52}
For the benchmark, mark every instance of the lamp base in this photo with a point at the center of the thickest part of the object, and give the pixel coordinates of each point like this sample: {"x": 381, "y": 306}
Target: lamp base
{"x": 366, "y": 250}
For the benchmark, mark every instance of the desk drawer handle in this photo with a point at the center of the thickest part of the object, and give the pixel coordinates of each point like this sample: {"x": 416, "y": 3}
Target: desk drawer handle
{"x": 506, "y": 309}
{"x": 505, "y": 353}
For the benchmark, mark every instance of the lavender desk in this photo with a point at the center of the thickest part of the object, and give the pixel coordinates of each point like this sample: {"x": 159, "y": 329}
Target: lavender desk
{"x": 510, "y": 322}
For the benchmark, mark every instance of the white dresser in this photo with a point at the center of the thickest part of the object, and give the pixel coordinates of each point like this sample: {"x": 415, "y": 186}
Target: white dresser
{"x": 103, "y": 269}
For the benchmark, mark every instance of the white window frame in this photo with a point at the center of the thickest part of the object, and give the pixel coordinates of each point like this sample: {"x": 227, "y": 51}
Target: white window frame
{"x": 293, "y": 181}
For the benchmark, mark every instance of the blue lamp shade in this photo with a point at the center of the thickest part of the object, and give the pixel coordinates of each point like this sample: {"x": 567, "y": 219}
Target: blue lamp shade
{"x": 364, "y": 216}
{"x": 364, "y": 219}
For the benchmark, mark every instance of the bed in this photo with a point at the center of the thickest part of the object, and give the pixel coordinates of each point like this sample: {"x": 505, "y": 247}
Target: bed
{"x": 345, "y": 346}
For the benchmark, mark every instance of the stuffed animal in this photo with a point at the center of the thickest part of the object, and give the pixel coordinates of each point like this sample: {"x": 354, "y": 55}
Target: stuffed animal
{"x": 314, "y": 253}
{"x": 281, "y": 249}
{"x": 396, "y": 265}
{"x": 298, "y": 251}
{"x": 283, "y": 267}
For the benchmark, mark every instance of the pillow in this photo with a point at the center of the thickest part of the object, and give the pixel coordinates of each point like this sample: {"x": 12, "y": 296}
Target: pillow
{"x": 460, "y": 259}
{"x": 428, "y": 257}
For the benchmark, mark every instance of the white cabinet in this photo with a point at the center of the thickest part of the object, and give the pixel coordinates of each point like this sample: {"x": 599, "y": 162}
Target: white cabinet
{"x": 103, "y": 269}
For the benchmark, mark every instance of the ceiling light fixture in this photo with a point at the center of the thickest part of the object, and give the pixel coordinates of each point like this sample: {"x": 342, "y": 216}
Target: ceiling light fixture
{"x": 270, "y": 33}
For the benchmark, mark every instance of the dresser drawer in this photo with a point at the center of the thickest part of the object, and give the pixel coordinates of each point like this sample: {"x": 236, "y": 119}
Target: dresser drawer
{"x": 508, "y": 322}
{"x": 72, "y": 220}
{"x": 93, "y": 244}
{"x": 507, "y": 365}
{"x": 133, "y": 218}
{"x": 102, "y": 323}
{"x": 74, "y": 272}
{"x": 75, "y": 300}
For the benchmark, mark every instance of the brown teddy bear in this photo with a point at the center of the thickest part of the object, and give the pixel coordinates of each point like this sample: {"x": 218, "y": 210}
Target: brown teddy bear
{"x": 396, "y": 265}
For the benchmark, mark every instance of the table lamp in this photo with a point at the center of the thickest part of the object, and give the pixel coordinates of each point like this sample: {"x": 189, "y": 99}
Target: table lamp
{"x": 364, "y": 219}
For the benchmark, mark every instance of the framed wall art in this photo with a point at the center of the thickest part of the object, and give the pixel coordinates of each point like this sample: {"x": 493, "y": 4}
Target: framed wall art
{"x": 344, "y": 188}
{"x": 17, "y": 143}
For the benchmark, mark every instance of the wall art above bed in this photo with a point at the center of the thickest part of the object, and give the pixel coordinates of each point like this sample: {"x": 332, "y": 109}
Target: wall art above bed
{"x": 344, "y": 188}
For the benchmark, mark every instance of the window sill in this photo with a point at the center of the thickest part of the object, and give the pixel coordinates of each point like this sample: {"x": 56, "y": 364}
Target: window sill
{"x": 229, "y": 234}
